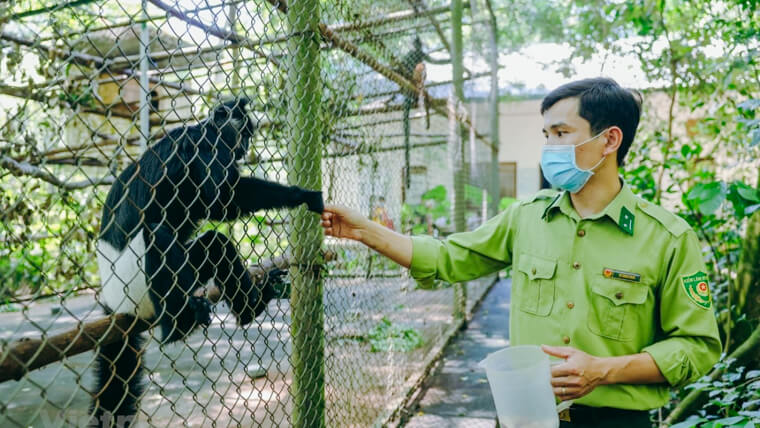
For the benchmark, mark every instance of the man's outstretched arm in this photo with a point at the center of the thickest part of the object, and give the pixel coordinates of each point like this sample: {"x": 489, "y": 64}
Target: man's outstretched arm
{"x": 342, "y": 222}
{"x": 460, "y": 257}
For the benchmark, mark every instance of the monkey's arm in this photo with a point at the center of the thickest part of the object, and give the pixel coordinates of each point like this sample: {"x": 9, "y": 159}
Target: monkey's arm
{"x": 251, "y": 194}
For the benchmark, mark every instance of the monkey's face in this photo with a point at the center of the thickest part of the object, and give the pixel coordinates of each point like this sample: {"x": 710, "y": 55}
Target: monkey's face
{"x": 236, "y": 126}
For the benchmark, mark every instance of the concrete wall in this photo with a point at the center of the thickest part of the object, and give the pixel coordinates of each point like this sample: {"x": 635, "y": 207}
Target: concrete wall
{"x": 520, "y": 139}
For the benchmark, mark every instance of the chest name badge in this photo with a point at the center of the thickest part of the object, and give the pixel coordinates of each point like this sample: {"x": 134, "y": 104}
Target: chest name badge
{"x": 697, "y": 289}
{"x": 621, "y": 275}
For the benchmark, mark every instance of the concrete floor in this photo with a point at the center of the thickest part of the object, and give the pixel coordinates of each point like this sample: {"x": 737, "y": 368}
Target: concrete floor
{"x": 457, "y": 394}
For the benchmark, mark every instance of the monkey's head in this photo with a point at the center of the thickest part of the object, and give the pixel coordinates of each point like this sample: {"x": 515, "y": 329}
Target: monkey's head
{"x": 235, "y": 125}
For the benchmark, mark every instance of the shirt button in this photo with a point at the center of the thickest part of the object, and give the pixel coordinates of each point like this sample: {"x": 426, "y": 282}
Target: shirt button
{"x": 570, "y": 305}
{"x": 566, "y": 339}
{"x": 619, "y": 295}
{"x": 533, "y": 271}
{"x": 576, "y": 265}
{"x": 581, "y": 233}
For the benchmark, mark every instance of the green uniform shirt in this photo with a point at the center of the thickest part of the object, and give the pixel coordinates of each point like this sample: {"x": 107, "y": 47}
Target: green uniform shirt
{"x": 630, "y": 279}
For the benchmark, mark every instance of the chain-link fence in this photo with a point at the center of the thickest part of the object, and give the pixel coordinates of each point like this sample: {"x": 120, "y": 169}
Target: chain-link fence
{"x": 129, "y": 133}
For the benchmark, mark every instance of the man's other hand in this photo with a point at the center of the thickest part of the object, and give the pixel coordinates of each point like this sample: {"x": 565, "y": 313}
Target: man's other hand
{"x": 578, "y": 375}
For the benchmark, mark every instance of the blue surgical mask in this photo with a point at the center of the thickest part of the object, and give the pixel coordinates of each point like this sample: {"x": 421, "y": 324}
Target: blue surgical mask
{"x": 559, "y": 167}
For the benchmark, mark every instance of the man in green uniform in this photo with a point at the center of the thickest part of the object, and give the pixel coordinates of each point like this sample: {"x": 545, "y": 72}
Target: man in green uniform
{"x": 612, "y": 284}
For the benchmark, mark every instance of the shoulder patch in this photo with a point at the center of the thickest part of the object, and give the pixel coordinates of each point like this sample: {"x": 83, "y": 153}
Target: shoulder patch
{"x": 697, "y": 288}
{"x": 673, "y": 223}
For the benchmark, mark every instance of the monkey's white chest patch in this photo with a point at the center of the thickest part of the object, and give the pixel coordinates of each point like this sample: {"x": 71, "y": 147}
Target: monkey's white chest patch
{"x": 124, "y": 288}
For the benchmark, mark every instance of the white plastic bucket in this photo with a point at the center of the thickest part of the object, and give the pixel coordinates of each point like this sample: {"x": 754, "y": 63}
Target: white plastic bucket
{"x": 520, "y": 380}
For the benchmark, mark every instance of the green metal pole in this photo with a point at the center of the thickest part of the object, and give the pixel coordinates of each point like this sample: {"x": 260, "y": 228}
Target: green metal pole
{"x": 304, "y": 161}
{"x": 494, "y": 111}
{"x": 460, "y": 172}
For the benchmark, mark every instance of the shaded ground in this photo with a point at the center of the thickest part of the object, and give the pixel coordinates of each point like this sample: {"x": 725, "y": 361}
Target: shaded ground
{"x": 457, "y": 393}
{"x": 206, "y": 382}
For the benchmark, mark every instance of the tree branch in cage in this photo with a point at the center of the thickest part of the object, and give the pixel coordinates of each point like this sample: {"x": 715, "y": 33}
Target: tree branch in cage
{"x": 25, "y": 169}
{"x": 24, "y": 355}
{"x": 216, "y": 31}
{"x": 392, "y": 75}
{"x": 92, "y": 61}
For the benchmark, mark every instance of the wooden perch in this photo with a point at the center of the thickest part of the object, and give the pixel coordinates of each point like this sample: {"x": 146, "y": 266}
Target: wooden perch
{"x": 24, "y": 355}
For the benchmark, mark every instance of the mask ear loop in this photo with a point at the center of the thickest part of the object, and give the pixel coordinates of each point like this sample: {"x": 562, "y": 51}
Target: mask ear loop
{"x": 591, "y": 170}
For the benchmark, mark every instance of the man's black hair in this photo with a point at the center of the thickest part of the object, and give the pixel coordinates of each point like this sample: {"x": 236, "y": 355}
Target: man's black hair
{"x": 603, "y": 103}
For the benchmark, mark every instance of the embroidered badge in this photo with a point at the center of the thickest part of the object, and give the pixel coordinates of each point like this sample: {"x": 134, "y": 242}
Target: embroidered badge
{"x": 621, "y": 275}
{"x": 697, "y": 289}
{"x": 626, "y": 220}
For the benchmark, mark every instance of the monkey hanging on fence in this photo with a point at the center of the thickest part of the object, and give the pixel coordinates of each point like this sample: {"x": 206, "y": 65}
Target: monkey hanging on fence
{"x": 149, "y": 263}
{"x": 413, "y": 69}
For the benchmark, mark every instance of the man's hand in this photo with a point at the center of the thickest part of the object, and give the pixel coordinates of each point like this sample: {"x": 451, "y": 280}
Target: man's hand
{"x": 581, "y": 372}
{"x": 343, "y": 222}
{"x": 578, "y": 375}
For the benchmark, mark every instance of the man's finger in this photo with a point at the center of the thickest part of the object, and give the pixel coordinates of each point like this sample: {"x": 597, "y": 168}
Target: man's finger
{"x": 566, "y": 392}
{"x": 567, "y": 381}
{"x": 564, "y": 369}
{"x": 558, "y": 351}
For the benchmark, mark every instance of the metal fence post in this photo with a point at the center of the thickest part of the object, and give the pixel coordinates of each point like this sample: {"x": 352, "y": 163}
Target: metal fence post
{"x": 494, "y": 109}
{"x": 304, "y": 169}
{"x": 460, "y": 173}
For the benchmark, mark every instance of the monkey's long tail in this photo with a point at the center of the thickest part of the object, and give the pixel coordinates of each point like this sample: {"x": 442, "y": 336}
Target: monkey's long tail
{"x": 119, "y": 383}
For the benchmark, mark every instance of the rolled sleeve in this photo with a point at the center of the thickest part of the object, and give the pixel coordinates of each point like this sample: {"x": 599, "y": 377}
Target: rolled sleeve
{"x": 463, "y": 256}
{"x": 425, "y": 250}
{"x": 690, "y": 343}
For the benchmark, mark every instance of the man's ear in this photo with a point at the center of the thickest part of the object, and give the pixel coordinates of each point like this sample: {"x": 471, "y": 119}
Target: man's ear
{"x": 614, "y": 139}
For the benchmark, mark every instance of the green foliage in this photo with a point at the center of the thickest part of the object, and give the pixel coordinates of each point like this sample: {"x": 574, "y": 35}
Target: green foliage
{"x": 734, "y": 399}
{"x": 386, "y": 336}
{"x": 435, "y": 209}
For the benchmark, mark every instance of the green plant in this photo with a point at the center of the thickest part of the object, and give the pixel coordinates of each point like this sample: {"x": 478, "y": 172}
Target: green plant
{"x": 386, "y": 336}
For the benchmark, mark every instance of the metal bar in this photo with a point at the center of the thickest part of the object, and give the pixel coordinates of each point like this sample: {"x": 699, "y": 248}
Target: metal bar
{"x": 304, "y": 160}
{"x": 144, "y": 89}
{"x": 458, "y": 137}
{"x": 493, "y": 99}
{"x": 53, "y": 8}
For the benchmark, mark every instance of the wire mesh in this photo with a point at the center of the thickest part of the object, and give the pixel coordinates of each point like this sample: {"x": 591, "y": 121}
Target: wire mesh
{"x": 90, "y": 87}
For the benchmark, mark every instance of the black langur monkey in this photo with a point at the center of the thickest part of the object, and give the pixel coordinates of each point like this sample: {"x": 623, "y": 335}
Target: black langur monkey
{"x": 148, "y": 262}
{"x": 412, "y": 67}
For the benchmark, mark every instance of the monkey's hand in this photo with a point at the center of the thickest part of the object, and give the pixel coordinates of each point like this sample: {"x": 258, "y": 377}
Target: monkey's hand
{"x": 275, "y": 286}
{"x": 314, "y": 201}
{"x": 202, "y": 310}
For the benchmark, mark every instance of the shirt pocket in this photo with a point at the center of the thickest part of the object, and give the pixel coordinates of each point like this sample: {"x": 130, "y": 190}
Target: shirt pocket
{"x": 535, "y": 282}
{"x": 618, "y": 308}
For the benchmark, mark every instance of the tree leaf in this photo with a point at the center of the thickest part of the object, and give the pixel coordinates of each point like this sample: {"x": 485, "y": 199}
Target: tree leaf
{"x": 751, "y": 209}
{"x": 689, "y": 423}
{"x": 755, "y": 137}
{"x": 750, "y": 104}
{"x": 708, "y": 196}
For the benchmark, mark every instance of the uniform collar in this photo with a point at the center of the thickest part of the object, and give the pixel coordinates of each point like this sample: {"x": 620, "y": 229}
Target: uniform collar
{"x": 620, "y": 209}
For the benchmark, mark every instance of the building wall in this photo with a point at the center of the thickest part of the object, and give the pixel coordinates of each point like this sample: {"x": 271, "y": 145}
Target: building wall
{"x": 520, "y": 139}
